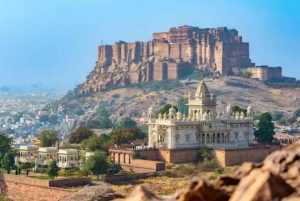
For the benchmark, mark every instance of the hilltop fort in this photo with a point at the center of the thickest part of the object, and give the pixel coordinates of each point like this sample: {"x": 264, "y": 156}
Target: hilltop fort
{"x": 170, "y": 55}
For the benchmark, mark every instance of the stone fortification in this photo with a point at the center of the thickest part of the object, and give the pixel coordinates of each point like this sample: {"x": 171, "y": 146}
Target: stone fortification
{"x": 170, "y": 55}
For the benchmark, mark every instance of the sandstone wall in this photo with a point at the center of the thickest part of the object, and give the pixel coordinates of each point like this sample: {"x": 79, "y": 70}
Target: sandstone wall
{"x": 29, "y": 189}
{"x": 161, "y": 35}
{"x": 124, "y": 158}
{"x": 232, "y": 157}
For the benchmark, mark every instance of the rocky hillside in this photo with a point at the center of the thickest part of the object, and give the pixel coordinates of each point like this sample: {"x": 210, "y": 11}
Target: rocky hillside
{"x": 276, "y": 178}
{"x": 134, "y": 100}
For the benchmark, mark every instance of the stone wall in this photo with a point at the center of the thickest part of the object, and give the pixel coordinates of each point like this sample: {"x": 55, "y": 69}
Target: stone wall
{"x": 224, "y": 156}
{"x": 232, "y": 157}
{"x": 24, "y": 188}
{"x": 124, "y": 158}
{"x": 264, "y": 72}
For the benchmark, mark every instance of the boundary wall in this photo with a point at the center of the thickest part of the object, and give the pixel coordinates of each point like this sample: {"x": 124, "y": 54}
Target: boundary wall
{"x": 24, "y": 188}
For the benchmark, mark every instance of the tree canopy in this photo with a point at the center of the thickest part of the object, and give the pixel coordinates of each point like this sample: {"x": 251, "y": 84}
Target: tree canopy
{"x": 99, "y": 163}
{"x": 126, "y": 122}
{"x": 80, "y": 134}
{"x": 281, "y": 121}
{"x": 276, "y": 115}
{"x": 52, "y": 170}
{"x": 182, "y": 107}
{"x": 48, "y": 138}
{"x": 8, "y": 162}
{"x": 238, "y": 109}
{"x": 297, "y": 113}
{"x": 95, "y": 142}
{"x": 104, "y": 123}
{"x": 266, "y": 128}
{"x": 5, "y": 144}
{"x": 166, "y": 108}
{"x": 122, "y": 136}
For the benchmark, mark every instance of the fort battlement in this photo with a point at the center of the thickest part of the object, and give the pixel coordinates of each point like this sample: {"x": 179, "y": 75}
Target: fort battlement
{"x": 170, "y": 55}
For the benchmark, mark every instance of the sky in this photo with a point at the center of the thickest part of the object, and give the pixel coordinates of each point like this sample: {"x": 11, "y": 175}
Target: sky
{"x": 55, "y": 42}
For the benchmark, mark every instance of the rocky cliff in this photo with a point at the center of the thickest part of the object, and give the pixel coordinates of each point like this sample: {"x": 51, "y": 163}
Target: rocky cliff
{"x": 276, "y": 178}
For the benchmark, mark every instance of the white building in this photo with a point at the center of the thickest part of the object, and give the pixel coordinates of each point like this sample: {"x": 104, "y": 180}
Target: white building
{"x": 28, "y": 153}
{"x": 204, "y": 125}
{"x": 66, "y": 158}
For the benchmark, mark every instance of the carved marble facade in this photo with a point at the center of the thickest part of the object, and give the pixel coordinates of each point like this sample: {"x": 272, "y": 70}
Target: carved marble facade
{"x": 202, "y": 126}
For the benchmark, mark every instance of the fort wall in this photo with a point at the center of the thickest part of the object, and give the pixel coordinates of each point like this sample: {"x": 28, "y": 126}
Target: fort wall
{"x": 264, "y": 72}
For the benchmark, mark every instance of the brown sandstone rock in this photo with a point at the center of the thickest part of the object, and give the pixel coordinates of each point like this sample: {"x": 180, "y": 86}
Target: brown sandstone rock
{"x": 261, "y": 185}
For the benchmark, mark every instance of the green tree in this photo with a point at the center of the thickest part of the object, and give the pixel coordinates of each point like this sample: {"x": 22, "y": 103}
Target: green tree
{"x": 43, "y": 118}
{"x": 52, "y": 170}
{"x": 281, "y": 121}
{"x": 292, "y": 120}
{"x": 120, "y": 136}
{"x": 93, "y": 143}
{"x": 80, "y": 112}
{"x": 126, "y": 122}
{"x": 8, "y": 162}
{"x": 296, "y": 113}
{"x": 94, "y": 124}
{"x": 5, "y": 144}
{"x": 276, "y": 115}
{"x": 106, "y": 123}
{"x": 53, "y": 119}
{"x": 99, "y": 163}
{"x": 266, "y": 128}
{"x": 80, "y": 134}
{"x": 238, "y": 109}
{"x": 182, "y": 107}
{"x": 205, "y": 154}
{"x": 48, "y": 138}
{"x": 104, "y": 113}
{"x": 166, "y": 108}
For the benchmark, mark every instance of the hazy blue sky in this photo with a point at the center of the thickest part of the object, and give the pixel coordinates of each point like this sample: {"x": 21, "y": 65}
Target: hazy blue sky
{"x": 55, "y": 41}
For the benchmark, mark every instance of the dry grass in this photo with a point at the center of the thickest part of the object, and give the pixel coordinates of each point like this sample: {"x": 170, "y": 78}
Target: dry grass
{"x": 177, "y": 177}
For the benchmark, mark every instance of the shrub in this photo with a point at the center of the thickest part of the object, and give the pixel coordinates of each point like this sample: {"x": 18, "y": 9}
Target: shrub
{"x": 212, "y": 177}
{"x": 68, "y": 172}
{"x": 121, "y": 172}
{"x": 219, "y": 170}
{"x": 207, "y": 165}
{"x": 62, "y": 173}
{"x": 78, "y": 173}
{"x": 43, "y": 171}
{"x": 184, "y": 169}
{"x": 116, "y": 96}
{"x": 169, "y": 166}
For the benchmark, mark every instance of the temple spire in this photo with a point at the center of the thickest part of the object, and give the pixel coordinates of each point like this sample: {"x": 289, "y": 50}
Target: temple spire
{"x": 202, "y": 90}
